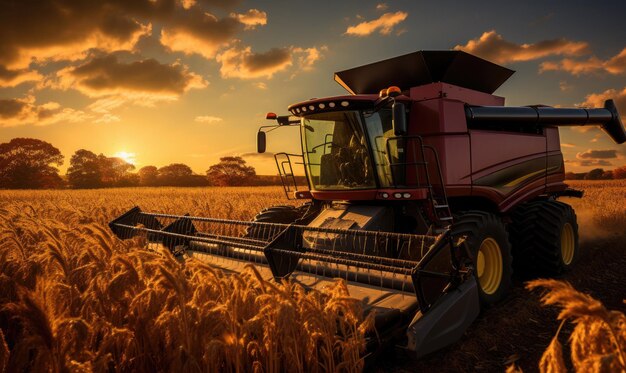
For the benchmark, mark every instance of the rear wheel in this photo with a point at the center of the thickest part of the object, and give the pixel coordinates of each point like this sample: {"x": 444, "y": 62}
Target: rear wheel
{"x": 488, "y": 243}
{"x": 544, "y": 235}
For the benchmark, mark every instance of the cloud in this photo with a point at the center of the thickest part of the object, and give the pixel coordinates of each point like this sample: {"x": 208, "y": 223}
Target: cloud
{"x": 574, "y": 67}
{"x": 590, "y": 162}
{"x": 200, "y": 32}
{"x": 597, "y": 100}
{"x": 15, "y": 112}
{"x": 382, "y": 6}
{"x": 616, "y": 65}
{"x": 107, "y": 118}
{"x": 11, "y": 78}
{"x": 597, "y": 154}
{"x": 565, "y": 86}
{"x": 50, "y": 30}
{"x": 242, "y": 63}
{"x": 309, "y": 56}
{"x": 493, "y": 47}
{"x": 383, "y": 25}
{"x": 584, "y": 129}
{"x": 106, "y": 104}
{"x": 251, "y": 19}
{"x": 208, "y": 119}
{"x": 567, "y": 145}
{"x": 144, "y": 82}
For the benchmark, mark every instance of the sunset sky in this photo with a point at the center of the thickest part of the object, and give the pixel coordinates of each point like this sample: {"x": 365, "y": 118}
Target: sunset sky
{"x": 190, "y": 81}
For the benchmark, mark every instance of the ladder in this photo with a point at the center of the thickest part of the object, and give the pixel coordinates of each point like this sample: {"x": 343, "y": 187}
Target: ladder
{"x": 437, "y": 197}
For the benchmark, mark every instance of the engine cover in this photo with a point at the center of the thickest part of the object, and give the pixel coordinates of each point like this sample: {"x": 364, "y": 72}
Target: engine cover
{"x": 349, "y": 217}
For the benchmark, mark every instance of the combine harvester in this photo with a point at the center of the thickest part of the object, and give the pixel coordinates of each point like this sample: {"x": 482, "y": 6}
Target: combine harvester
{"x": 425, "y": 192}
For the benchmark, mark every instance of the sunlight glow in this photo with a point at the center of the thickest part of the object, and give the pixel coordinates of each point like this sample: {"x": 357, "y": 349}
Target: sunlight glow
{"x": 126, "y": 156}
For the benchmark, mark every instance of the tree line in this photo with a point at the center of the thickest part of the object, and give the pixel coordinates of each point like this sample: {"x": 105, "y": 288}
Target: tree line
{"x": 27, "y": 163}
{"x": 598, "y": 174}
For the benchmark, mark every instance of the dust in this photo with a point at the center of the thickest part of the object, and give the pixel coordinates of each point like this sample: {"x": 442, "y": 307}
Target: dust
{"x": 595, "y": 227}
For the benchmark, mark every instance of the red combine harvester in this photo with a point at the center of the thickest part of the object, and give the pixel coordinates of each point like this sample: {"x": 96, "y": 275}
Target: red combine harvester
{"x": 425, "y": 192}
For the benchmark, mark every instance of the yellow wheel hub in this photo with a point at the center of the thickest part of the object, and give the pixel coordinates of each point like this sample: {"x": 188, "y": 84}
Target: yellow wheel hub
{"x": 567, "y": 243}
{"x": 489, "y": 266}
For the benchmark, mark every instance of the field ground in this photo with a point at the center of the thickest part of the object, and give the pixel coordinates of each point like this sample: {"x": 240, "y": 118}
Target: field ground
{"x": 515, "y": 331}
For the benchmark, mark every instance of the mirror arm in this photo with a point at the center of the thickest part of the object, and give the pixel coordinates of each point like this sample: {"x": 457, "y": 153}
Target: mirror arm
{"x": 272, "y": 127}
{"x": 382, "y": 102}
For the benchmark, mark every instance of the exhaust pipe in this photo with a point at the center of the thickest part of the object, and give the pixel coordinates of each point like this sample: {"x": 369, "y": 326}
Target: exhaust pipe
{"x": 608, "y": 117}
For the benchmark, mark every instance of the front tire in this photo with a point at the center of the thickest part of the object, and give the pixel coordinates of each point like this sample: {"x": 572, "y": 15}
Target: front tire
{"x": 490, "y": 251}
{"x": 276, "y": 214}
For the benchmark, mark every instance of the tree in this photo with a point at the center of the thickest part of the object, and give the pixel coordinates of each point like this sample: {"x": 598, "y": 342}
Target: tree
{"x": 619, "y": 173}
{"x": 595, "y": 174}
{"x": 148, "y": 175}
{"x": 84, "y": 170}
{"x": 114, "y": 170}
{"x": 28, "y": 163}
{"x": 88, "y": 170}
{"x": 607, "y": 175}
{"x": 574, "y": 176}
{"x": 128, "y": 180}
{"x": 231, "y": 171}
{"x": 175, "y": 174}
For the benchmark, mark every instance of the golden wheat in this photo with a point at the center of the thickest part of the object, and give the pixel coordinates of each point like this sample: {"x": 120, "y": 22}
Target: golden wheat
{"x": 598, "y": 342}
{"x": 73, "y": 298}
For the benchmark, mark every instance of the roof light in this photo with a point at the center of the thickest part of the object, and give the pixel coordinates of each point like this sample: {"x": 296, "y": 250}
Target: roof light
{"x": 406, "y": 195}
{"x": 393, "y": 91}
{"x": 345, "y": 103}
{"x": 331, "y": 104}
{"x": 397, "y": 195}
{"x": 303, "y": 109}
{"x": 385, "y": 195}
{"x": 322, "y": 105}
{"x": 270, "y": 116}
{"x": 311, "y": 107}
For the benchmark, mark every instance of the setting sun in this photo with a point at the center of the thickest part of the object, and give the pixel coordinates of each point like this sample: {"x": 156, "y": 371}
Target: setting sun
{"x": 126, "y": 156}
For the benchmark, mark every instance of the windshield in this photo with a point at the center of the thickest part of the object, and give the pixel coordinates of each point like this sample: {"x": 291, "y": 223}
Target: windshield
{"x": 336, "y": 151}
{"x": 379, "y": 129}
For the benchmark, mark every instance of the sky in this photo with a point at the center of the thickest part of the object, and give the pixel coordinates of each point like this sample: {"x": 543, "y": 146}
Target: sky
{"x": 189, "y": 81}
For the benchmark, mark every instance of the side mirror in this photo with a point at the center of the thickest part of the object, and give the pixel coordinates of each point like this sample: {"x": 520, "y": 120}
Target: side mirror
{"x": 260, "y": 142}
{"x": 399, "y": 119}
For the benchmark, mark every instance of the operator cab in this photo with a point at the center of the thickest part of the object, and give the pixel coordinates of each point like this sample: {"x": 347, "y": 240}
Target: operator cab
{"x": 348, "y": 148}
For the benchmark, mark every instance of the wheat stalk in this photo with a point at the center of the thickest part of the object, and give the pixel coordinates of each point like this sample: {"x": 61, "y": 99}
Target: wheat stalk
{"x": 599, "y": 337}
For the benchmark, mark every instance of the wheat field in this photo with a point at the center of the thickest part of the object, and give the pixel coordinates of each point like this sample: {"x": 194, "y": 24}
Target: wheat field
{"x": 74, "y": 298}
